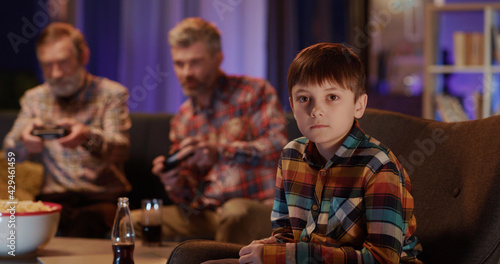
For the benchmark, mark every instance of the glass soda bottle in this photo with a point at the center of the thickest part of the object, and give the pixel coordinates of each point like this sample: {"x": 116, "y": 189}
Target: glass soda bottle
{"x": 123, "y": 235}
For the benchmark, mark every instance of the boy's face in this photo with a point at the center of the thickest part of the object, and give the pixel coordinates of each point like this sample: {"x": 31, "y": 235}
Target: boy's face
{"x": 325, "y": 113}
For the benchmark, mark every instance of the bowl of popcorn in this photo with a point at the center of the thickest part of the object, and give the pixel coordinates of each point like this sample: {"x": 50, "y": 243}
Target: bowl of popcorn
{"x": 27, "y": 226}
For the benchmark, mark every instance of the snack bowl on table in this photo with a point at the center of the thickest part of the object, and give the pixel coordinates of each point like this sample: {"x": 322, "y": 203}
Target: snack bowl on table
{"x": 27, "y": 226}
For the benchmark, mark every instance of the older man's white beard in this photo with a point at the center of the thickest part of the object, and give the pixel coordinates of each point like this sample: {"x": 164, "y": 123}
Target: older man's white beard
{"x": 66, "y": 87}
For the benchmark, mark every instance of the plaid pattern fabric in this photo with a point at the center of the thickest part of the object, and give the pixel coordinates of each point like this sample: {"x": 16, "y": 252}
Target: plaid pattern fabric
{"x": 247, "y": 124}
{"x": 356, "y": 208}
{"x": 101, "y": 105}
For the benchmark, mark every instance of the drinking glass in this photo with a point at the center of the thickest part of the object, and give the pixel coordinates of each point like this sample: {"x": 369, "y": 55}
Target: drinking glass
{"x": 151, "y": 222}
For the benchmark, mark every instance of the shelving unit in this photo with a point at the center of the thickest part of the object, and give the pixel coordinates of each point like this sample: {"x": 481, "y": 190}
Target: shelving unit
{"x": 432, "y": 69}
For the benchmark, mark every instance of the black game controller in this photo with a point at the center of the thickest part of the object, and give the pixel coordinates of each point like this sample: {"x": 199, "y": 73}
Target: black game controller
{"x": 172, "y": 161}
{"x": 50, "y": 133}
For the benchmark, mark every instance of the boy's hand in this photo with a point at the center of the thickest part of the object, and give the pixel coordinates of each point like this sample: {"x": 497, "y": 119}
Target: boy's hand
{"x": 269, "y": 240}
{"x": 221, "y": 261}
{"x": 252, "y": 253}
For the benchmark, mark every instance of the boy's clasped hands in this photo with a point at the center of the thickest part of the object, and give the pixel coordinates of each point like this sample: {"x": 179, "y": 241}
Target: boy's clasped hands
{"x": 251, "y": 253}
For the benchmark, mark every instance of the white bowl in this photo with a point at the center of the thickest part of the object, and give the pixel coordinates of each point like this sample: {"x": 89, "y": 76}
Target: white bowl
{"x": 25, "y": 233}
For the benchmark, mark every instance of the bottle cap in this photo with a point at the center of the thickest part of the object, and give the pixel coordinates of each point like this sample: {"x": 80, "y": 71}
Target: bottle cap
{"x": 123, "y": 200}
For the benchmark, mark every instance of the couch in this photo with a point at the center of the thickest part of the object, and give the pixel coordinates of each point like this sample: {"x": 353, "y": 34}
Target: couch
{"x": 149, "y": 138}
{"x": 455, "y": 174}
{"x": 454, "y": 169}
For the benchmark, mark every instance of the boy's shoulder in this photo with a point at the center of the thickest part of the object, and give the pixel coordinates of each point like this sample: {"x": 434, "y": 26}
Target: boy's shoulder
{"x": 373, "y": 143}
{"x": 295, "y": 148}
{"x": 364, "y": 145}
{"x": 374, "y": 150}
{"x": 297, "y": 144}
{"x": 378, "y": 156}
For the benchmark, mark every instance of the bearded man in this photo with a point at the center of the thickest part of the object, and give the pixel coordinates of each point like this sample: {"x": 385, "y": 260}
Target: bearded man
{"x": 229, "y": 133}
{"x": 78, "y": 125}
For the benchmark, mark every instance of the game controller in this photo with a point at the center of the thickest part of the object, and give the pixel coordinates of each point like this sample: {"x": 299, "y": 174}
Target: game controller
{"x": 50, "y": 133}
{"x": 172, "y": 161}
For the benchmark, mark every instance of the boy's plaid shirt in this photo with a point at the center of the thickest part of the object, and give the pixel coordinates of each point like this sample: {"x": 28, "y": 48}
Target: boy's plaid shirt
{"x": 355, "y": 209}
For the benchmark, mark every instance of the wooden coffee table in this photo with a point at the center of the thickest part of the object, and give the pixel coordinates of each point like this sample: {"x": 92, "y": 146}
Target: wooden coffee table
{"x": 86, "y": 250}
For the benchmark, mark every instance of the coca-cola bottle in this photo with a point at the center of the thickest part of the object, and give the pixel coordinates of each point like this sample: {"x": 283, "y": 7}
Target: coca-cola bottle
{"x": 123, "y": 235}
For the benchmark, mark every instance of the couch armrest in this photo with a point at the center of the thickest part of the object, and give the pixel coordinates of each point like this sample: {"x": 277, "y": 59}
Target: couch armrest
{"x": 199, "y": 250}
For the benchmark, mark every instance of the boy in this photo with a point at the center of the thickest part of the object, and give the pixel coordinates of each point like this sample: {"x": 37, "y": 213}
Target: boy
{"x": 341, "y": 196}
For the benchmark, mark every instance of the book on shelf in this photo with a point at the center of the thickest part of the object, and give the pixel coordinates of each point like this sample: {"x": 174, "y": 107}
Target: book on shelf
{"x": 450, "y": 109}
{"x": 496, "y": 43}
{"x": 468, "y": 48}
{"x": 459, "y": 48}
{"x": 478, "y": 102}
{"x": 475, "y": 50}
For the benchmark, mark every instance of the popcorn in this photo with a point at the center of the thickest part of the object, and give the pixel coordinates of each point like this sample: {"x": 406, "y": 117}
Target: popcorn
{"x": 24, "y": 206}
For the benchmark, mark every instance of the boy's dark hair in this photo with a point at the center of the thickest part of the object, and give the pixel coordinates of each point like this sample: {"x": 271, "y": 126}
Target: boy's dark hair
{"x": 327, "y": 62}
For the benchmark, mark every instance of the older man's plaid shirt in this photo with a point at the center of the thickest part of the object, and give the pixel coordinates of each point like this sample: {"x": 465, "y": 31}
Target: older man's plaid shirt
{"x": 247, "y": 124}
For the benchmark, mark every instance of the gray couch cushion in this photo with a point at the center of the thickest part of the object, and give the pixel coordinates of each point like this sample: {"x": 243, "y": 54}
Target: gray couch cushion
{"x": 148, "y": 139}
{"x": 455, "y": 171}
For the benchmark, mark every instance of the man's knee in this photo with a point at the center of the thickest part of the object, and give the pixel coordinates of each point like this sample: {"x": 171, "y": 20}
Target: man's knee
{"x": 236, "y": 208}
{"x": 242, "y": 207}
{"x": 243, "y": 220}
{"x": 136, "y": 216}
